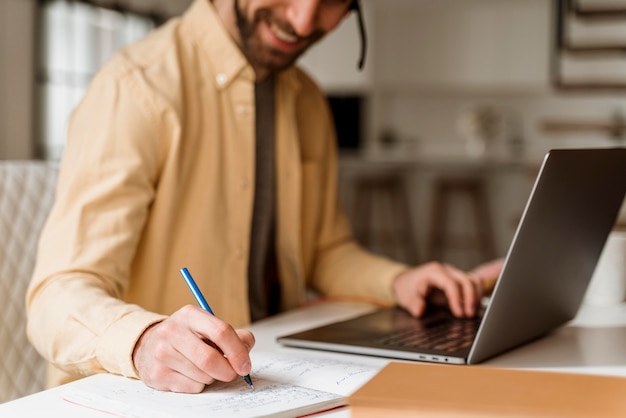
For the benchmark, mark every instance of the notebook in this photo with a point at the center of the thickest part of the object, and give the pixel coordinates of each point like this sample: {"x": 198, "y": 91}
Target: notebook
{"x": 402, "y": 390}
{"x": 284, "y": 386}
{"x": 571, "y": 210}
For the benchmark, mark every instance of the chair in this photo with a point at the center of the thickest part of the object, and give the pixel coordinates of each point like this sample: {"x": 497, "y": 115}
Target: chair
{"x": 383, "y": 215}
{"x": 481, "y": 241}
{"x": 26, "y": 195}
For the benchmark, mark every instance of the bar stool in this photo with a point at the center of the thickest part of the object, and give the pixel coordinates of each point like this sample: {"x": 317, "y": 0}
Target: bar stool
{"x": 383, "y": 221}
{"x": 481, "y": 242}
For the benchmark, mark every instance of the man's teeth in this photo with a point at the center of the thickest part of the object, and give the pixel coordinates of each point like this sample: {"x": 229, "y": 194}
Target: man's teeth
{"x": 282, "y": 35}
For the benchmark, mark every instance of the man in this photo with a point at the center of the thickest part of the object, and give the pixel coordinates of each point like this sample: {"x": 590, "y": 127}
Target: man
{"x": 202, "y": 146}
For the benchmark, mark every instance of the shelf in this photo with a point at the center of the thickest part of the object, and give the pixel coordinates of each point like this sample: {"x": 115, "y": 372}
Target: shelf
{"x": 586, "y": 51}
{"x": 596, "y": 86}
{"x": 456, "y": 89}
{"x": 600, "y": 14}
{"x": 613, "y": 129}
{"x": 606, "y": 49}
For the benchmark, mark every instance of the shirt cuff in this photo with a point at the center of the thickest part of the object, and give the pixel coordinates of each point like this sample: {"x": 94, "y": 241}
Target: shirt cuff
{"x": 116, "y": 354}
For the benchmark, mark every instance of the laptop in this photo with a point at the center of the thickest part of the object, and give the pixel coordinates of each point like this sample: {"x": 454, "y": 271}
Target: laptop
{"x": 571, "y": 210}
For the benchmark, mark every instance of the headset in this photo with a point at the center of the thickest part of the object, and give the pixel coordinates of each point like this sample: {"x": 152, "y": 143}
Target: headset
{"x": 356, "y": 6}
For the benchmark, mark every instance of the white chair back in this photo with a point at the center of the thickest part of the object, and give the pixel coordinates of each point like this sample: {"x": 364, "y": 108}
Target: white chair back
{"x": 26, "y": 195}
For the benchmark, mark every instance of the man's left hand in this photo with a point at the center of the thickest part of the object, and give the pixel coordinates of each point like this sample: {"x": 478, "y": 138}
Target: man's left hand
{"x": 438, "y": 283}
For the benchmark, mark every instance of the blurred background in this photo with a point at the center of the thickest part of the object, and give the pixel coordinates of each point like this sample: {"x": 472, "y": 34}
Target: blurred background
{"x": 440, "y": 136}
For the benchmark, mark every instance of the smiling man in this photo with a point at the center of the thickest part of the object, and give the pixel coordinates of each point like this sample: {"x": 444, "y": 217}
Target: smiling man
{"x": 203, "y": 146}
{"x": 273, "y": 34}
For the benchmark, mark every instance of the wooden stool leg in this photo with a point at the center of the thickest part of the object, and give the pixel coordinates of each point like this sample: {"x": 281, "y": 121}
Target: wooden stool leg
{"x": 483, "y": 222}
{"x": 481, "y": 242}
{"x": 438, "y": 218}
{"x": 404, "y": 222}
{"x": 388, "y": 192}
{"x": 362, "y": 203}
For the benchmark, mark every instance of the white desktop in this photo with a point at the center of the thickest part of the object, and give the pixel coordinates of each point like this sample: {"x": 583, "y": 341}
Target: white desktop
{"x": 592, "y": 343}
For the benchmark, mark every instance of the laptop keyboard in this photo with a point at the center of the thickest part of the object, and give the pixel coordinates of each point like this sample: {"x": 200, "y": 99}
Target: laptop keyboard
{"x": 442, "y": 332}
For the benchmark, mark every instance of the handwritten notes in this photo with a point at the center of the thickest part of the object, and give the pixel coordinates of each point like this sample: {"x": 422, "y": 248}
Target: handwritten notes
{"x": 341, "y": 377}
{"x": 284, "y": 386}
{"x": 131, "y": 398}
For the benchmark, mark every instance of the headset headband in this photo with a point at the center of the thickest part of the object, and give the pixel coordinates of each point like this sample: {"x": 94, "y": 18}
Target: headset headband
{"x": 356, "y": 6}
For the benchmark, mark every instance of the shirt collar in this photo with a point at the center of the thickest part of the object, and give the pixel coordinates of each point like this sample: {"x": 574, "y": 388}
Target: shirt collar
{"x": 218, "y": 47}
{"x": 221, "y": 50}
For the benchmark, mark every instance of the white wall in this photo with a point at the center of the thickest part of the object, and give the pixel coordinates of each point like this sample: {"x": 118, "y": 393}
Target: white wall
{"x": 478, "y": 52}
{"x": 16, "y": 78}
{"x": 333, "y": 62}
{"x": 431, "y": 59}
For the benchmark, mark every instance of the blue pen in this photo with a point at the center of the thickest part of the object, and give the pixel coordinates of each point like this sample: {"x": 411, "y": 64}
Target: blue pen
{"x": 204, "y": 305}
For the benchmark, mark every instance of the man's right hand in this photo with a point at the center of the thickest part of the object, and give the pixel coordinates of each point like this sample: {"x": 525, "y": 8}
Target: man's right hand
{"x": 191, "y": 349}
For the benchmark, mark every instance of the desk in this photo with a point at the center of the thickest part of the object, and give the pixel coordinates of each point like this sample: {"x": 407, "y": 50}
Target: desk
{"x": 592, "y": 343}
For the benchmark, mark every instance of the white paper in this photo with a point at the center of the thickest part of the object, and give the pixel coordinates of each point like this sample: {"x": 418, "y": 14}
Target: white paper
{"x": 284, "y": 386}
{"x": 326, "y": 374}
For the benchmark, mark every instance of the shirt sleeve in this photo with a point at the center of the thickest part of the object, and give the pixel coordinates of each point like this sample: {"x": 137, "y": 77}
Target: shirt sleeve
{"x": 76, "y": 315}
{"x": 342, "y": 266}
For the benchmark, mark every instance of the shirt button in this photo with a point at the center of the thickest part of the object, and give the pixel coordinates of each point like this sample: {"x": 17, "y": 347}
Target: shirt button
{"x": 242, "y": 110}
{"x": 245, "y": 183}
{"x": 239, "y": 252}
{"x": 221, "y": 79}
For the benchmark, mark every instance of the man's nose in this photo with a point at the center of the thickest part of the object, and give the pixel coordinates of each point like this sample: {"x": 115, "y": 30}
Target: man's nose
{"x": 302, "y": 16}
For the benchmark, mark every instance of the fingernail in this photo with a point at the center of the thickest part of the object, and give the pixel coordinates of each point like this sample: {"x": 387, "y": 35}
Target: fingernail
{"x": 246, "y": 367}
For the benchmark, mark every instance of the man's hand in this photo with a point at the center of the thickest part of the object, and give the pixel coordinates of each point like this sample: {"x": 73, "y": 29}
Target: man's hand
{"x": 191, "y": 349}
{"x": 488, "y": 273}
{"x": 438, "y": 283}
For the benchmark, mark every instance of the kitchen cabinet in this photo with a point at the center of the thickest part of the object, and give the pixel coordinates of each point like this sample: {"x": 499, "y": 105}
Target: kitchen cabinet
{"x": 460, "y": 44}
{"x": 462, "y": 50}
{"x": 484, "y": 45}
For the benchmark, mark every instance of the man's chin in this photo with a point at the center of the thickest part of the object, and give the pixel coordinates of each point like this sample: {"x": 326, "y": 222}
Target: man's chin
{"x": 276, "y": 65}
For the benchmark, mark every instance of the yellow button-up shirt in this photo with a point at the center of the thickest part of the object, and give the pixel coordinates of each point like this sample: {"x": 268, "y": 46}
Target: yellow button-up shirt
{"x": 158, "y": 174}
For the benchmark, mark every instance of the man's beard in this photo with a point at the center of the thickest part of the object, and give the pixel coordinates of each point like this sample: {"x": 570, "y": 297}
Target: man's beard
{"x": 260, "y": 55}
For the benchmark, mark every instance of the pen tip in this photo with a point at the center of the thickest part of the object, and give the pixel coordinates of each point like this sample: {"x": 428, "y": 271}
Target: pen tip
{"x": 248, "y": 380}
